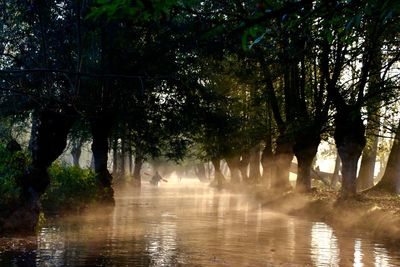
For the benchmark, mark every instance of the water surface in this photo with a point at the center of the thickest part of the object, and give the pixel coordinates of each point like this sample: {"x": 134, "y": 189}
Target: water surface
{"x": 186, "y": 224}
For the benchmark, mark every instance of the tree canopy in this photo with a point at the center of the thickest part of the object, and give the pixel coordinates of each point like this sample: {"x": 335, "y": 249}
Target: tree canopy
{"x": 251, "y": 82}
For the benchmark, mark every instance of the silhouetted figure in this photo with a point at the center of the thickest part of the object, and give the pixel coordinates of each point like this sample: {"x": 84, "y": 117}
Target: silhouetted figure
{"x": 156, "y": 179}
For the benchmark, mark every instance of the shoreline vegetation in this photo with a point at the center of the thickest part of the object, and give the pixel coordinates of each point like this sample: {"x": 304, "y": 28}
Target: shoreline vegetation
{"x": 375, "y": 214}
{"x": 71, "y": 190}
{"x": 372, "y": 213}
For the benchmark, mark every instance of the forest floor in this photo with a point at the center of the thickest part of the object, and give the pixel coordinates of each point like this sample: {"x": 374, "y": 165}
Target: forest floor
{"x": 376, "y": 214}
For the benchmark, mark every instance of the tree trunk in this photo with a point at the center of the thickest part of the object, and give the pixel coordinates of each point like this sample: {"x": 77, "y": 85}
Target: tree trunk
{"x": 267, "y": 161}
{"x": 130, "y": 160}
{"x": 137, "y": 179}
{"x": 122, "y": 157}
{"x": 335, "y": 175}
{"x": 118, "y": 175}
{"x": 305, "y": 150}
{"x": 76, "y": 151}
{"x": 219, "y": 177}
{"x": 282, "y": 159}
{"x": 115, "y": 155}
{"x": 350, "y": 141}
{"x": 233, "y": 164}
{"x": 390, "y": 181}
{"x": 200, "y": 171}
{"x": 101, "y": 128}
{"x": 244, "y": 163}
{"x": 255, "y": 160}
{"x": 367, "y": 169}
{"x": 209, "y": 170}
{"x": 48, "y": 140}
{"x": 92, "y": 162}
{"x": 224, "y": 168}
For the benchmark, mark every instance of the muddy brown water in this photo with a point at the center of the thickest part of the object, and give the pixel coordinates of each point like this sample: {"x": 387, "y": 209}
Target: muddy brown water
{"x": 191, "y": 224}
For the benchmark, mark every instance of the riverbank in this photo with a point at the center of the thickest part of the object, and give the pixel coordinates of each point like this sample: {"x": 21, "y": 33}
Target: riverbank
{"x": 374, "y": 214}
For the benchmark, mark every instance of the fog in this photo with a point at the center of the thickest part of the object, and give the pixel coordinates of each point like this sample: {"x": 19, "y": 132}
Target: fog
{"x": 187, "y": 223}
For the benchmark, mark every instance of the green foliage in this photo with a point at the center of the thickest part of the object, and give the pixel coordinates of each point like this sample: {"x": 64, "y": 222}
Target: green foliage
{"x": 12, "y": 166}
{"x": 71, "y": 189}
{"x": 137, "y": 10}
{"x": 253, "y": 36}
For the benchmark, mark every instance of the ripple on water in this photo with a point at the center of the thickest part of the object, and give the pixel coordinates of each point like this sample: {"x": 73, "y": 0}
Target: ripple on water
{"x": 195, "y": 226}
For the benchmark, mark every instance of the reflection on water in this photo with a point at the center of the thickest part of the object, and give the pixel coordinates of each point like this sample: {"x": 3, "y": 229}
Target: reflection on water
{"x": 381, "y": 256}
{"x": 181, "y": 225}
{"x": 324, "y": 248}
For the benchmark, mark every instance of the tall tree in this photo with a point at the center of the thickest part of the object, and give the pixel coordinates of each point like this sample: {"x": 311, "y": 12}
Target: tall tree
{"x": 360, "y": 41}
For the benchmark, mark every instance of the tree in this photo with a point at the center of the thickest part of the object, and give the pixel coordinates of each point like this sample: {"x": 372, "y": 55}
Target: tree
{"x": 349, "y": 99}
{"x": 390, "y": 181}
{"x": 295, "y": 90}
{"x": 27, "y": 56}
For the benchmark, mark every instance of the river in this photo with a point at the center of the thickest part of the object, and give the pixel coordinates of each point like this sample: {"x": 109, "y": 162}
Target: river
{"x": 191, "y": 224}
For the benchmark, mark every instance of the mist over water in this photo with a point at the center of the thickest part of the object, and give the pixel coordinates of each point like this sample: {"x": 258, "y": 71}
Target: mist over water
{"x": 191, "y": 224}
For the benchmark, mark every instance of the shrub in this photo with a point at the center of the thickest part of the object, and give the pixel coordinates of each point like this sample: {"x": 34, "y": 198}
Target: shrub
{"x": 71, "y": 189}
{"x": 12, "y": 166}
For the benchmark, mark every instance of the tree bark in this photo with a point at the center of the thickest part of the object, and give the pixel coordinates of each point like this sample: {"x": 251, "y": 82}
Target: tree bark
{"x": 92, "y": 162}
{"x": 282, "y": 159}
{"x": 233, "y": 164}
{"x": 137, "y": 179}
{"x": 76, "y": 152}
{"x": 255, "y": 160}
{"x": 48, "y": 140}
{"x": 224, "y": 168}
{"x": 219, "y": 177}
{"x": 122, "y": 157}
{"x": 244, "y": 163}
{"x": 335, "y": 175}
{"x": 200, "y": 171}
{"x": 101, "y": 128}
{"x": 350, "y": 141}
{"x": 390, "y": 181}
{"x": 130, "y": 161}
{"x": 267, "y": 161}
{"x": 305, "y": 150}
{"x": 115, "y": 155}
{"x": 367, "y": 169}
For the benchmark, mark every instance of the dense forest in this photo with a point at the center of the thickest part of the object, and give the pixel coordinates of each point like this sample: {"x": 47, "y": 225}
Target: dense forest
{"x": 244, "y": 83}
